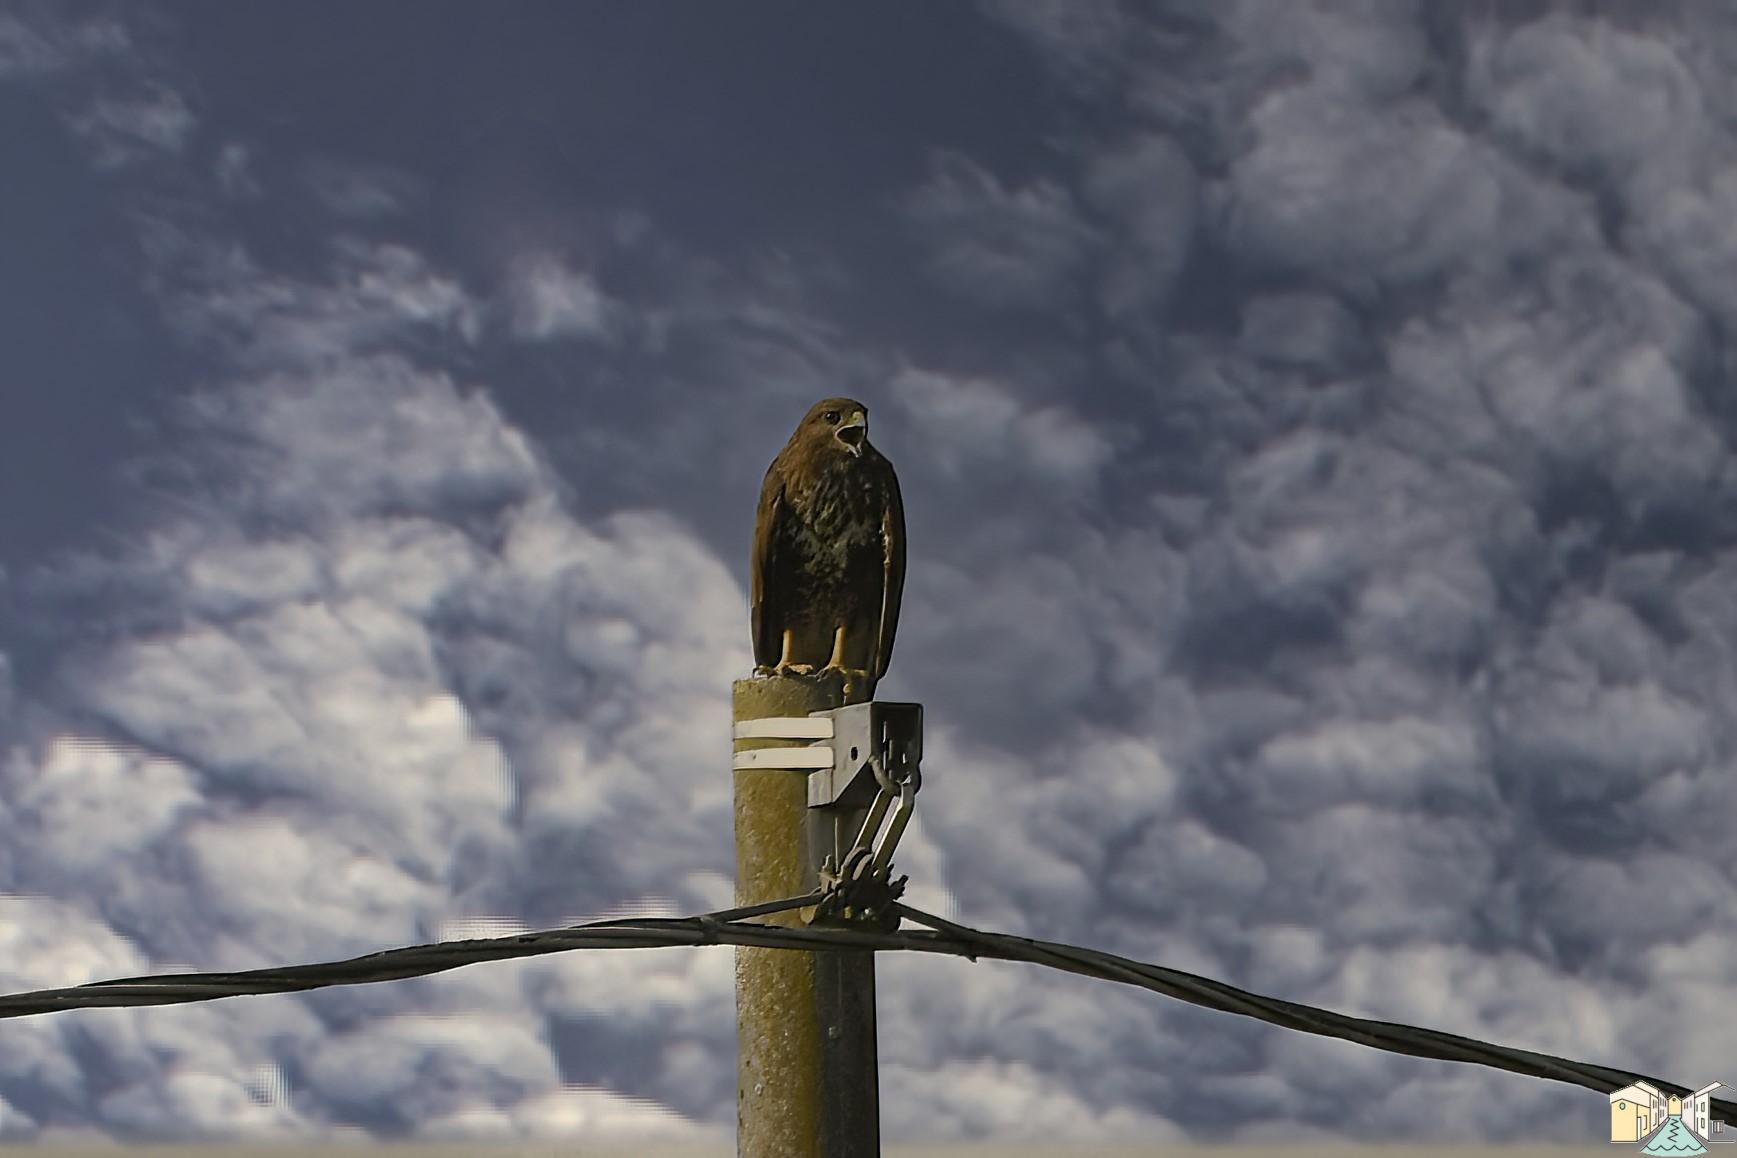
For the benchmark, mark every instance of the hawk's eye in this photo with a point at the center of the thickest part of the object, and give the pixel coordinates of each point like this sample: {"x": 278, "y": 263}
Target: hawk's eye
{"x": 831, "y": 416}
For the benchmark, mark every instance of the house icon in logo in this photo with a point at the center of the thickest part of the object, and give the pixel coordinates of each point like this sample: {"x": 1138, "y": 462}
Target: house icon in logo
{"x": 1639, "y": 1111}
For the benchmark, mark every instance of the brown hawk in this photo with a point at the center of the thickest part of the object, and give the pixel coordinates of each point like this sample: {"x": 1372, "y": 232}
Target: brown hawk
{"x": 829, "y": 552}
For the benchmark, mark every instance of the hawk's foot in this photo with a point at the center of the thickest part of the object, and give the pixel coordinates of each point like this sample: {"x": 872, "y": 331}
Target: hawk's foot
{"x": 852, "y": 673}
{"x": 855, "y": 679}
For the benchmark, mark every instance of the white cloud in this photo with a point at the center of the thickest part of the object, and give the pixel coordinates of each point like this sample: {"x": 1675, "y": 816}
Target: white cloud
{"x": 191, "y": 1103}
{"x": 234, "y": 171}
{"x": 93, "y": 807}
{"x": 546, "y": 300}
{"x": 1151, "y": 188}
{"x": 1398, "y": 761}
{"x": 32, "y": 46}
{"x": 988, "y": 1097}
{"x": 1354, "y": 194}
{"x": 138, "y": 127}
{"x": 329, "y": 794}
{"x": 1453, "y": 631}
{"x": 376, "y": 622}
{"x": 376, "y": 435}
{"x": 1350, "y": 617}
{"x": 8, "y": 683}
{"x": 421, "y": 1064}
{"x": 1009, "y": 248}
{"x": 362, "y": 192}
{"x": 574, "y": 1111}
{"x": 1086, "y": 38}
{"x": 1368, "y": 49}
{"x": 375, "y": 295}
{"x": 225, "y": 579}
{"x": 57, "y": 943}
{"x": 1591, "y": 96}
{"x": 970, "y": 423}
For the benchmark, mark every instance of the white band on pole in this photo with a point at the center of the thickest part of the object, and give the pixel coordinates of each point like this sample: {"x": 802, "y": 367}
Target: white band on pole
{"x": 792, "y": 756}
{"x": 785, "y": 728}
{"x": 802, "y": 758}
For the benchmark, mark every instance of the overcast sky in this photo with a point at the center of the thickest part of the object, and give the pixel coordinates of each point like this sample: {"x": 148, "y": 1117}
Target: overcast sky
{"x": 1315, "y": 427}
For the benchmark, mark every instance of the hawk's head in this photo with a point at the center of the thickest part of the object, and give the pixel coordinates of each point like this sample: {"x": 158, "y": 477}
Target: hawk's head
{"x": 838, "y": 423}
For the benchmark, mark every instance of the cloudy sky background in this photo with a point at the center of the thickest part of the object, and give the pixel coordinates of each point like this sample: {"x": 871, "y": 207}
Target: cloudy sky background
{"x": 1315, "y": 427}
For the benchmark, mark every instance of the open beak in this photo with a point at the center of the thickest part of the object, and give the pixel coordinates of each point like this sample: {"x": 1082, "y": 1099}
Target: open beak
{"x": 852, "y": 434}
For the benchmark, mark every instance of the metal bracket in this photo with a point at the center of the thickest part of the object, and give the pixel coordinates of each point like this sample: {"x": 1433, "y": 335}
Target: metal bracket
{"x": 860, "y": 758}
{"x": 874, "y": 745}
{"x": 877, "y": 750}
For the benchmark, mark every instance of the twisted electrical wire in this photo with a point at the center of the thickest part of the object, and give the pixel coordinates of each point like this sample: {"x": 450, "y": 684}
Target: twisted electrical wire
{"x": 412, "y": 961}
{"x": 735, "y": 927}
{"x": 1391, "y": 1037}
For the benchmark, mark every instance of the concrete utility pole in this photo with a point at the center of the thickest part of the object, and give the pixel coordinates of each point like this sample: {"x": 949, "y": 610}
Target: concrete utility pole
{"x": 807, "y": 1082}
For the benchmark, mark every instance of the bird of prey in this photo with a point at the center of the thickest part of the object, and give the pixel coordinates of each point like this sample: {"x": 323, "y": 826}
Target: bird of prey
{"x": 829, "y": 552}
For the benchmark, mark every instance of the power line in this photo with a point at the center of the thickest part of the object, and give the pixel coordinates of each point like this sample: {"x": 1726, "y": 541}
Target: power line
{"x": 1391, "y": 1037}
{"x": 723, "y": 927}
{"x": 734, "y": 927}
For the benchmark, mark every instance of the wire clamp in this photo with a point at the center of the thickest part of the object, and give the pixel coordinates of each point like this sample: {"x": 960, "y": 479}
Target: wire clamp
{"x": 877, "y": 751}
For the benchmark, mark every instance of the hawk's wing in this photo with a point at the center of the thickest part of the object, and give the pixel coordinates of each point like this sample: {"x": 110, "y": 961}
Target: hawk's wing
{"x": 767, "y": 614}
{"x": 892, "y": 568}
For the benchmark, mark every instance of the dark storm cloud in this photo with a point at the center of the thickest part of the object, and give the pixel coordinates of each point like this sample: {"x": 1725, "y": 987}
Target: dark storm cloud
{"x": 1477, "y": 466}
{"x": 1000, "y": 246}
{"x": 1316, "y": 443}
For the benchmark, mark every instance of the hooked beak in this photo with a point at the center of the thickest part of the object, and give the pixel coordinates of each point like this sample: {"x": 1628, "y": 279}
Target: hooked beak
{"x": 852, "y": 434}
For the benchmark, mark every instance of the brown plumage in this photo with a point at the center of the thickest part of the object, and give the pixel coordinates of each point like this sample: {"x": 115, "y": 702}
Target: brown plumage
{"x": 829, "y": 551}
